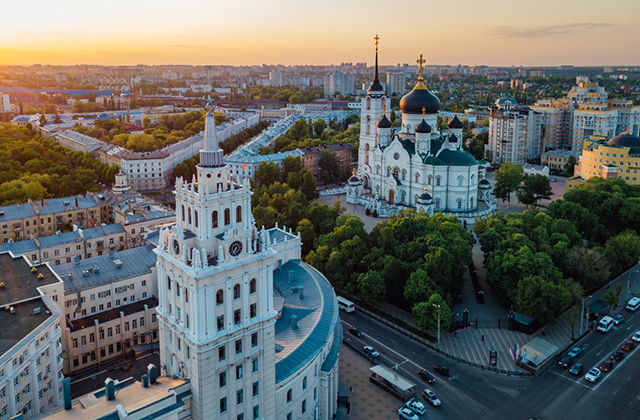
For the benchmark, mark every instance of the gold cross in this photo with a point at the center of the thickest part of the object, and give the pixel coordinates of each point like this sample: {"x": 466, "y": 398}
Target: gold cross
{"x": 384, "y": 108}
{"x": 420, "y": 62}
{"x": 423, "y": 111}
{"x": 376, "y": 38}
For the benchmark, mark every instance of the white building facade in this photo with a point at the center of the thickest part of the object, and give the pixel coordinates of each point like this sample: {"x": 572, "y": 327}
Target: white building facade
{"x": 515, "y": 133}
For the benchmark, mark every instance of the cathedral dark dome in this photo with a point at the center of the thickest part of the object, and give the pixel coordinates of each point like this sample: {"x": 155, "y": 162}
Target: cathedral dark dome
{"x": 418, "y": 98}
{"x": 423, "y": 127}
{"x": 455, "y": 123}
{"x": 624, "y": 140}
{"x": 383, "y": 122}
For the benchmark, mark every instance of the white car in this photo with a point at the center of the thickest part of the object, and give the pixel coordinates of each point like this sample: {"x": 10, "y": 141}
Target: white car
{"x": 416, "y": 406}
{"x": 593, "y": 375}
{"x": 431, "y": 397}
{"x": 636, "y": 336}
{"x": 407, "y": 414}
{"x": 574, "y": 352}
{"x": 371, "y": 351}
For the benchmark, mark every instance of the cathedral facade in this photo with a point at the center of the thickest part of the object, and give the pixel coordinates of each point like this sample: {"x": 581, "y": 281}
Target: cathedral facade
{"x": 254, "y": 329}
{"x": 418, "y": 166}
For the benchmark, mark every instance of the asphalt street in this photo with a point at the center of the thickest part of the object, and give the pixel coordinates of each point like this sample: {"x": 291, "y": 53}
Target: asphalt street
{"x": 475, "y": 393}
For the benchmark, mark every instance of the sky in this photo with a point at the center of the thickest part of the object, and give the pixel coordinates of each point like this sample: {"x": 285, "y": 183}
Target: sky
{"x": 289, "y": 32}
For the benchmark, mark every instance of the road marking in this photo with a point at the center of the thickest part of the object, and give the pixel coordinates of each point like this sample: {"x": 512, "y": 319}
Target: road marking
{"x": 614, "y": 392}
{"x": 571, "y": 380}
{"x": 599, "y": 353}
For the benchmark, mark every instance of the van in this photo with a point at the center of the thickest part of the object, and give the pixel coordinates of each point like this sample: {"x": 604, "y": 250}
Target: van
{"x": 346, "y": 305}
{"x": 633, "y": 304}
{"x": 605, "y": 324}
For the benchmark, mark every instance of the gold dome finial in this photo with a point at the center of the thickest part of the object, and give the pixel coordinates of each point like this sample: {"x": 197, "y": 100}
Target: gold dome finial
{"x": 423, "y": 111}
{"x": 420, "y": 85}
{"x": 376, "y": 38}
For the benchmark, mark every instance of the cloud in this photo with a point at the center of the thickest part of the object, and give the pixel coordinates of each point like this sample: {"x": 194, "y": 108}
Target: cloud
{"x": 25, "y": 32}
{"x": 544, "y": 31}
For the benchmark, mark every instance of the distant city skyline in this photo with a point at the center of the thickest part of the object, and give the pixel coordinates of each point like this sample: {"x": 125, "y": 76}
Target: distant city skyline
{"x": 289, "y": 32}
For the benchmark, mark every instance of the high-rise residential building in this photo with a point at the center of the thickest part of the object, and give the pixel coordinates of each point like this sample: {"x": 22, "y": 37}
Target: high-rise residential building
{"x": 586, "y": 111}
{"x": 339, "y": 82}
{"x": 514, "y": 133}
{"x": 275, "y": 76}
{"x": 255, "y": 329}
{"x": 5, "y": 108}
{"x": 396, "y": 81}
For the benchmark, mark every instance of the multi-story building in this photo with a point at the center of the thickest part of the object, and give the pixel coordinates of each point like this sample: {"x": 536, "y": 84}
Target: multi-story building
{"x": 514, "y": 133}
{"x": 275, "y": 76}
{"x": 228, "y": 318}
{"x": 555, "y": 159}
{"x": 109, "y": 304}
{"x": 343, "y": 151}
{"x": 46, "y": 217}
{"x": 618, "y": 157}
{"x": 31, "y": 360}
{"x": 396, "y": 82}
{"x": 5, "y": 108}
{"x": 339, "y": 82}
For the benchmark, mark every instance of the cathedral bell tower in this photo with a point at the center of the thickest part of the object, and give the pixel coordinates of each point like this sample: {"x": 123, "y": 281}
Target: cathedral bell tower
{"x": 215, "y": 292}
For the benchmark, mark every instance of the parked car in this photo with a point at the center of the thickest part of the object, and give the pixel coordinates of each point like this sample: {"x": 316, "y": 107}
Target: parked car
{"x": 371, "y": 351}
{"x": 493, "y": 358}
{"x": 576, "y": 369}
{"x": 617, "y": 320}
{"x": 356, "y": 332}
{"x": 628, "y": 345}
{"x": 416, "y": 406}
{"x": 442, "y": 370}
{"x": 636, "y": 337}
{"x": 617, "y": 356}
{"x": 593, "y": 375}
{"x": 574, "y": 352}
{"x": 431, "y": 397}
{"x": 407, "y": 414}
{"x": 425, "y": 375}
{"x": 565, "y": 362}
{"x": 607, "y": 365}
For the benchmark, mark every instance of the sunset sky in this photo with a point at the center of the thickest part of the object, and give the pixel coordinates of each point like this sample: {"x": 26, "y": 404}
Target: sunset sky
{"x": 242, "y": 32}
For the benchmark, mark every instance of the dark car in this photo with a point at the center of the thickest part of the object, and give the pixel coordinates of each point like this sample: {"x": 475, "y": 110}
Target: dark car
{"x": 617, "y": 356}
{"x": 493, "y": 358}
{"x": 442, "y": 370}
{"x": 628, "y": 345}
{"x": 617, "y": 320}
{"x": 576, "y": 369}
{"x": 356, "y": 332}
{"x": 565, "y": 362}
{"x": 425, "y": 375}
{"x": 607, "y": 365}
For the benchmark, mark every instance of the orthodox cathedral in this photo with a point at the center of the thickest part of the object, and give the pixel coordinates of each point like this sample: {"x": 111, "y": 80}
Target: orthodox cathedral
{"x": 419, "y": 166}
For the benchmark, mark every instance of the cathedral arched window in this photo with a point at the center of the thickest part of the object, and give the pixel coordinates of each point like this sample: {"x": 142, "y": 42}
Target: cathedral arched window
{"x": 368, "y": 105}
{"x": 396, "y": 172}
{"x": 378, "y": 170}
{"x": 438, "y": 180}
{"x": 404, "y": 174}
{"x": 189, "y": 210}
{"x": 236, "y": 291}
{"x": 252, "y": 286}
{"x": 429, "y": 179}
{"x": 472, "y": 179}
{"x": 214, "y": 219}
{"x": 238, "y": 214}
{"x": 168, "y": 283}
{"x": 437, "y": 203}
{"x": 227, "y": 217}
{"x": 195, "y": 216}
{"x": 460, "y": 181}
{"x": 182, "y": 212}
{"x": 403, "y": 196}
{"x": 368, "y": 124}
{"x": 471, "y": 202}
{"x": 459, "y": 201}
{"x": 366, "y": 154}
{"x": 388, "y": 171}
{"x": 417, "y": 177}
{"x": 219, "y": 297}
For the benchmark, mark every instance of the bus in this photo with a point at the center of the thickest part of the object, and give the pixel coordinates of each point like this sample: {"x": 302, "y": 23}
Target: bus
{"x": 346, "y": 305}
{"x": 605, "y": 324}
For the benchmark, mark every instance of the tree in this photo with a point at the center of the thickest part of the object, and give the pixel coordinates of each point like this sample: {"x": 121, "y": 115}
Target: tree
{"x": 329, "y": 162}
{"x": 542, "y": 299}
{"x": 268, "y": 173}
{"x": 309, "y": 186}
{"x": 319, "y": 126}
{"x": 622, "y": 251}
{"x": 307, "y": 234}
{"x": 373, "y": 287}
{"x": 534, "y": 188}
{"x": 57, "y": 119}
{"x": 572, "y": 317}
{"x": 291, "y": 164}
{"x": 587, "y": 266}
{"x": 570, "y": 164}
{"x": 265, "y": 150}
{"x": 508, "y": 179}
{"x": 612, "y": 298}
{"x": 43, "y": 120}
{"x": 425, "y": 314}
{"x": 419, "y": 287}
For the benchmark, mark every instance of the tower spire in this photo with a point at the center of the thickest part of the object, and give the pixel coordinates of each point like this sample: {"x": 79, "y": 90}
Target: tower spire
{"x": 375, "y": 84}
{"x": 210, "y": 155}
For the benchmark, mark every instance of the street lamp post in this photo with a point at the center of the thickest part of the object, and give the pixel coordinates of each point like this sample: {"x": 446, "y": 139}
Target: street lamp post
{"x": 629, "y": 279}
{"x": 438, "y": 306}
{"x": 582, "y": 314}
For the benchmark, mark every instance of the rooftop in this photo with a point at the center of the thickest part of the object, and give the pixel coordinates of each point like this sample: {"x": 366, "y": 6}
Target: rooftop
{"x": 316, "y": 312}
{"x": 105, "y": 316}
{"x": 20, "y": 282}
{"x": 18, "y": 325}
{"x": 122, "y": 265}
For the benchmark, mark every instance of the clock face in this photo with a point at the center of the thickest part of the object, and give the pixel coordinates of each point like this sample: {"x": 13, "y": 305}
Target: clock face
{"x": 235, "y": 248}
{"x": 176, "y": 247}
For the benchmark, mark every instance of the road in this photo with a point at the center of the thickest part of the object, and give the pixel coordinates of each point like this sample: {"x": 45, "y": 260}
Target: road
{"x": 476, "y": 393}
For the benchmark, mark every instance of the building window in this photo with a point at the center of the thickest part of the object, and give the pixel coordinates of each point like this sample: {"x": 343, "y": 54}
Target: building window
{"x": 460, "y": 181}
{"x": 438, "y": 179}
{"x": 238, "y": 214}
{"x": 304, "y": 383}
{"x": 214, "y": 219}
{"x": 219, "y": 297}
{"x": 252, "y": 286}
{"x": 304, "y": 406}
{"x": 239, "y": 346}
{"x": 221, "y": 322}
{"x": 404, "y": 174}
{"x": 289, "y": 396}
{"x": 222, "y": 379}
{"x": 239, "y": 396}
{"x": 254, "y": 339}
{"x": 195, "y": 215}
{"x": 239, "y": 372}
{"x": 227, "y": 217}
{"x": 221, "y": 353}
{"x": 252, "y": 310}
{"x": 237, "y": 316}
{"x": 459, "y": 202}
{"x": 256, "y": 412}
{"x": 168, "y": 283}
{"x": 254, "y": 365}
{"x": 256, "y": 388}
{"x": 182, "y": 212}
{"x": 236, "y": 291}
{"x": 223, "y": 405}
{"x": 429, "y": 178}
{"x": 417, "y": 178}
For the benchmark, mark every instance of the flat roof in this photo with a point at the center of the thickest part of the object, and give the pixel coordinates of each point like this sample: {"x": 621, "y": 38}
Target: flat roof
{"x": 82, "y": 275}
{"x": 114, "y": 313}
{"x": 393, "y": 377}
{"x": 19, "y": 282}
{"x": 18, "y": 325}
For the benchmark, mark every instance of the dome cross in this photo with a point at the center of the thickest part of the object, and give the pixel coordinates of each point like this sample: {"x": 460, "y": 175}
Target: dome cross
{"x": 421, "y": 62}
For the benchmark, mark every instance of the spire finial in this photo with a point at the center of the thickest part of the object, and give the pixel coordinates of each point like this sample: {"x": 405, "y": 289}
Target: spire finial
{"x": 384, "y": 108}
{"x": 423, "y": 111}
{"x": 420, "y": 62}
{"x": 376, "y": 38}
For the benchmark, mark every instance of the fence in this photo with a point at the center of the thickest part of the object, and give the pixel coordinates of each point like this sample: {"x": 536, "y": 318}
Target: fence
{"x": 434, "y": 348}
